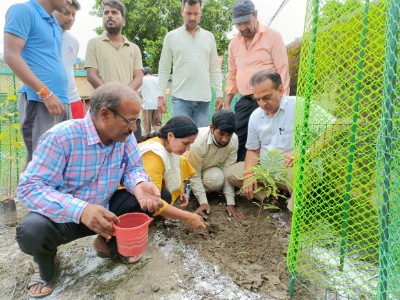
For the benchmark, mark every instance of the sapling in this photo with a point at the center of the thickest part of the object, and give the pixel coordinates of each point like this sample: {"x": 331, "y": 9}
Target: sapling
{"x": 269, "y": 171}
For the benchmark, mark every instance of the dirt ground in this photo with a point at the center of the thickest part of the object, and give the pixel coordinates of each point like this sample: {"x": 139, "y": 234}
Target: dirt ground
{"x": 232, "y": 259}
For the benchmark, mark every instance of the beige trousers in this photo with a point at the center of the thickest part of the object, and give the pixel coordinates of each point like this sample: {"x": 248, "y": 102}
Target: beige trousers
{"x": 151, "y": 119}
{"x": 213, "y": 179}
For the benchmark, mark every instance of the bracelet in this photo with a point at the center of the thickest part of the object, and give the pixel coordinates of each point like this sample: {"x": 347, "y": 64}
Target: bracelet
{"x": 44, "y": 93}
{"x": 191, "y": 218}
{"x": 51, "y": 93}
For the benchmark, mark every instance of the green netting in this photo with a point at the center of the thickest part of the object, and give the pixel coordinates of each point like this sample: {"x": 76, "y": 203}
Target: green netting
{"x": 12, "y": 149}
{"x": 345, "y": 235}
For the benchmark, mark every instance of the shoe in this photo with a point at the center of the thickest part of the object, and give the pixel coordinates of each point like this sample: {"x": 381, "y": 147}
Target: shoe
{"x": 288, "y": 225}
{"x": 36, "y": 279}
{"x": 100, "y": 243}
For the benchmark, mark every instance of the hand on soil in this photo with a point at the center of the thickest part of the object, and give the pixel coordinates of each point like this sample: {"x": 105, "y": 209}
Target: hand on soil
{"x": 204, "y": 208}
{"x": 99, "y": 219}
{"x": 197, "y": 222}
{"x": 232, "y": 212}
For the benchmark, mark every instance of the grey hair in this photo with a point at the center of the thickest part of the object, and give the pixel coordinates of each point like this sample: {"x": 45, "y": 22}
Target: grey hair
{"x": 109, "y": 95}
{"x": 263, "y": 75}
{"x": 76, "y": 4}
{"x": 147, "y": 70}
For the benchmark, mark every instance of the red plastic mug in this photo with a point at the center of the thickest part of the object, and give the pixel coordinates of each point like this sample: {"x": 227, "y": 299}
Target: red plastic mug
{"x": 132, "y": 233}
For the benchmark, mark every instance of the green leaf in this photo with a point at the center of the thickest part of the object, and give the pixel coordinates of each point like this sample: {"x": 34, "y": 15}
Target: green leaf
{"x": 16, "y": 145}
{"x": 3, "y": 119}
{"x": 11, "y": 97}
{"x": 4, "y": 135}
{"x": 16, "y": 126}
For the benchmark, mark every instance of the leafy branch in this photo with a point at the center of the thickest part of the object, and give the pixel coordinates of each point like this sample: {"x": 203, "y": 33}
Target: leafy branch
{"x": 267, "y": 173}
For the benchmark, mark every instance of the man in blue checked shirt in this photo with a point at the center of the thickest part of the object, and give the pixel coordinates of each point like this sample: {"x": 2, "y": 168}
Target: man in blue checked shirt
{"x": 69, "y": 186}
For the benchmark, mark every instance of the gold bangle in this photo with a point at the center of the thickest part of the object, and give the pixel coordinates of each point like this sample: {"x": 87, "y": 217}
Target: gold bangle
{"x": 191, "y": 218}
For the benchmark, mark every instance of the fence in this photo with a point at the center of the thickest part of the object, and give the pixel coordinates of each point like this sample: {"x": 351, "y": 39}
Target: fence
{"x": 12, "y": 149}
{"x": 345, "y": 238}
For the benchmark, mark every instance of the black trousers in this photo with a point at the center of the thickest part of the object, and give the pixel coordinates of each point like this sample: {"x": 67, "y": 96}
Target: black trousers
{"x": 243, "y": 109}
{"x": 39, "y": 237}
{"x": 138, "y": 132}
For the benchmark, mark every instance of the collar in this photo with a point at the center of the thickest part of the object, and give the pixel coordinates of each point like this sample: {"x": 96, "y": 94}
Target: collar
{"x": 91, "y": 132}
{"x": 106, "y": 38}
{"x": 282, "y": 106}
{"x": 42, "y": 12}
{"x": 209, "y": 138}
{"x": 210, "y": 141}
{"x": 184, "y": 29}
{"x": 260, "y": 30}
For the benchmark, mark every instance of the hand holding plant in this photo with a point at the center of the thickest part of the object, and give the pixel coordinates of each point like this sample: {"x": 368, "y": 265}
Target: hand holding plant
{"x": 271, "y": 169}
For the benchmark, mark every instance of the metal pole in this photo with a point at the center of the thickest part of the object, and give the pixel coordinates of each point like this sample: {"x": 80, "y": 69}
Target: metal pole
{"x": 386, "y": 130}
{"x": 304, "y": 138}
{"x": 353, "y": 136}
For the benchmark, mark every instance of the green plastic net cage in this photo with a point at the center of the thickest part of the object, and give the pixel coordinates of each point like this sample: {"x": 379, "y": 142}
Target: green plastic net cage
{"x": 345, "y": 237}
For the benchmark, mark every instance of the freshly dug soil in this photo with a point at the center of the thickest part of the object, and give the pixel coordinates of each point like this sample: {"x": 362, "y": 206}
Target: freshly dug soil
{"x": 231, "y": 259}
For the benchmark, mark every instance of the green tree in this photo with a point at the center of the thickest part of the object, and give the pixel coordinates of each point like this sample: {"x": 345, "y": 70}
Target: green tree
{"x": 148, "y": 21}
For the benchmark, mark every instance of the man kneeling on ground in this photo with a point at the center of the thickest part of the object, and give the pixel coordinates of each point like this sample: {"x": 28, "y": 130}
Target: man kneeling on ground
{"x": 214, "y": 150}
{"x": 70, "y": 185}
{"x": 271, "y": 126}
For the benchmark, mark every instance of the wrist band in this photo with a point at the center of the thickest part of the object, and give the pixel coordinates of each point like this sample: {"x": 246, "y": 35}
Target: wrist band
{"x": 51, "y": 93}
{"x": 44, "y": 93}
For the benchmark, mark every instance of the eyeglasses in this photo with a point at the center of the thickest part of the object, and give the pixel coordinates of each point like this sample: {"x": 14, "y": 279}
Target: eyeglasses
{"x": 128, "y": 122}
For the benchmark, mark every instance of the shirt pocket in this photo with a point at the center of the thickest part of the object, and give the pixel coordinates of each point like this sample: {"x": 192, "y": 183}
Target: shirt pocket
{"x": 286, "y": 140}
{"x": 109, "y": 179}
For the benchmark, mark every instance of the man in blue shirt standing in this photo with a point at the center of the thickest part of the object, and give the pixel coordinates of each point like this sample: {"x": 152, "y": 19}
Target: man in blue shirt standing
{"x": 32, "y": 49}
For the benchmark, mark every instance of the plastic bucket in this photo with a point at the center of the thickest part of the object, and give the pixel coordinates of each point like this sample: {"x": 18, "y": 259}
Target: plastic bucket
{"x": 132, "y": 233}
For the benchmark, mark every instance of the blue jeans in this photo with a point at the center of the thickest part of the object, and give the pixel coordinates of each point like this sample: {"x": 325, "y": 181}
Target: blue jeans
{"x": 199, "y": 111}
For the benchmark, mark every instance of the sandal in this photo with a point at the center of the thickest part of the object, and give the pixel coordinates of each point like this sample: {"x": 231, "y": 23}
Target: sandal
{"x": 100, "y": 243}
{"x": 36, "y": 279}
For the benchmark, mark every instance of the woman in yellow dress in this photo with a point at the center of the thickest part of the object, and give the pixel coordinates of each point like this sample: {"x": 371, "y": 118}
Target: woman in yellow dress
{"x": 167, "y": 168}
{"x": 163, "y": 160}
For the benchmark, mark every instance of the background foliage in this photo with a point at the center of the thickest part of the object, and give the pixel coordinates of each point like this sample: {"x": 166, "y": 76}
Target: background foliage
{"x": 148, "y": 21}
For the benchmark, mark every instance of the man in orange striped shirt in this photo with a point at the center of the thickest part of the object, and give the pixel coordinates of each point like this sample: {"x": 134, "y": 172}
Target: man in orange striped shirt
{"x": 255, "y": 48}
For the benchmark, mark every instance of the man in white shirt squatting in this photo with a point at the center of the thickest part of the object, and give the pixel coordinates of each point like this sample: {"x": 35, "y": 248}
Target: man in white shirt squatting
{"x": 214, "y": 150}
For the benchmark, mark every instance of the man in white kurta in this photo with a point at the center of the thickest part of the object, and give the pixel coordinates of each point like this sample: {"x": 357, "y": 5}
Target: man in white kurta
{"x": 191, "y": 52}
